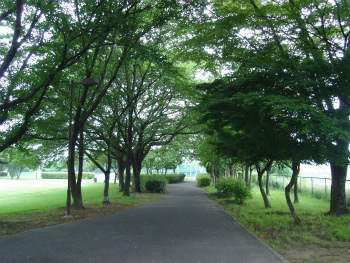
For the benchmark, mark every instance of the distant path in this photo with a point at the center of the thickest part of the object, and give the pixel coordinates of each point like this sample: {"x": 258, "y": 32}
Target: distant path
{"x": 186, "y": 226}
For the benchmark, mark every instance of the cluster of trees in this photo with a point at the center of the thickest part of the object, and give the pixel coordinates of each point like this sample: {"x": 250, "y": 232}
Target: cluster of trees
{"x": 14, "y": 161}
{"x": 285, "y": 97}
{"x": 132, "y": 48}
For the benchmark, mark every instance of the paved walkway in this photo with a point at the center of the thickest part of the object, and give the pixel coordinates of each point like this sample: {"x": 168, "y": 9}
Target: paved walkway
{"x": 186, "y": 226}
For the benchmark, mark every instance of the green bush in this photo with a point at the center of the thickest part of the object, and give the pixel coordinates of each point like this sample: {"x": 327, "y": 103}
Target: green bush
{"x": 203, "y": 180}
{"x": 229, "y": 187}
{"x": 154, "y": 183}
{"x": 3, "y": 174}
{"x": 175, "y": 178}
{"x": 63, "y": 175}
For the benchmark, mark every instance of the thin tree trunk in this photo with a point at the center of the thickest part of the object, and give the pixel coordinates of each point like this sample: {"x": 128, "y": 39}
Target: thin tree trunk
{"x": 262, "y": 191}
{"x": 296, "y": 170}
{"x": 246, "y": 177}
{"x": 126, "y": 190}
{"x": 80, "y": 170}
{"x": 268, "y": 181}
{"x": 260, "y": 174}
{"x": 107, "y": 175}
{"x": 115, "y": 177}
{"x": 296, "y": 190}
{"x": 121, "y": 168}
{"x": 250, "y": 176}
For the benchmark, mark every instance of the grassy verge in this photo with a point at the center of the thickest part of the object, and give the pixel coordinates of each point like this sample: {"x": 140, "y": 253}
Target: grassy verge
{"x": 40, "y": 207}
{"x": 319, "y": 238}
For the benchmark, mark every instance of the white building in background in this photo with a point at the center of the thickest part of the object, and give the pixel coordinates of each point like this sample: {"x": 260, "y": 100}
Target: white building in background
{"x": 190, "y": 169}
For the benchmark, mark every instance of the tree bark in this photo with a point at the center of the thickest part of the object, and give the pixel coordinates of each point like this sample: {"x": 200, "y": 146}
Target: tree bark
{"x": 246, "y": 178}
{"x": 260, "y": 174}
{"x": 121, "y": 168}
{"x": 107, "y": 173}
{"x": 262, "y": 191}
{"x": 296, "y": 190}
{"x": 126, "y": 190}
{"x": 136, "y": 174}
{"x": 250, "y": 176}
{"x": 296, "y": 170}
{"x": 338, "y": 204}
{"x": 268, "y": 181}
{"x": 106, "y": 188}
{"x": 78, "y": 201}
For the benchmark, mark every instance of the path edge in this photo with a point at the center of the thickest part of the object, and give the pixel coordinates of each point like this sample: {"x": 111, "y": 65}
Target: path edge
{"x": 273, "y": 251}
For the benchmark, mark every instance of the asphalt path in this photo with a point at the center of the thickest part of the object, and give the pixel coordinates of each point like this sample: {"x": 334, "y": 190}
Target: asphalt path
{"x": 185, "y": 226}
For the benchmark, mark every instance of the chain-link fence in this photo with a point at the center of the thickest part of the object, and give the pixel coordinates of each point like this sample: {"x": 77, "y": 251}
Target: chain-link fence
{"x": 315, "y": 186}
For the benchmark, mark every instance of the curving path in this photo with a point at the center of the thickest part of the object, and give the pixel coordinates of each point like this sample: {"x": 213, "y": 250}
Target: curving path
{"x": 186, "y": 226}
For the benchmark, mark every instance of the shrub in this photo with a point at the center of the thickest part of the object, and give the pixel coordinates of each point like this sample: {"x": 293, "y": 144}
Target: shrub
{"x": 3, "y": 174}
{"x": 229, "y": 187}
{"x": 154, "y": 183}
{"x": 203, "y": 180}
{"x": 175, "y": 178}
{"x": 63, "y": 175}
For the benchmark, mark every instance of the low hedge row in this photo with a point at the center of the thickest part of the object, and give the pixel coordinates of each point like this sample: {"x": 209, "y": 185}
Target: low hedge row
{"x": 3, "y": 174}
{"x": 63, "y": 175}
{"x": 175, "y": 178}
{"x": 158, "y": 183}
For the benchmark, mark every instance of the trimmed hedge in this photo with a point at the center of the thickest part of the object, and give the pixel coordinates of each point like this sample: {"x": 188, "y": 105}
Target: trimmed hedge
{"x": 3, "y": 174}
{"x": 203, "y": 180}
{"x": 154, "y": 183}
{"x": 175, "y": 178}
{"x": 63, "y": 175}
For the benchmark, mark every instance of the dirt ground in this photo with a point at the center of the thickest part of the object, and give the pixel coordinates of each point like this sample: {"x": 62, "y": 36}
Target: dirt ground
{"x": 338, "y": 252}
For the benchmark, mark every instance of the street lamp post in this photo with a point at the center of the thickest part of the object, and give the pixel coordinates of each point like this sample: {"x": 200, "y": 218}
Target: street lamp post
{"x": 87, "y": 82}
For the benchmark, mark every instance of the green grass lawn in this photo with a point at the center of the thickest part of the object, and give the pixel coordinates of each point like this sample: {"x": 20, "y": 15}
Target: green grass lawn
{"x": 319, "y": 238}
{"x": 32, "y": 204}
{"x": 30, "y": 195}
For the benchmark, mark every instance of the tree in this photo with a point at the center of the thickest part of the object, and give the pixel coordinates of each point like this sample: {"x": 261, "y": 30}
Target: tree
{"x": 120, "y": 30}
{"x": 20, "y": 158}
{"x": 44, "y": 41}
{"x": 308, "y": 42}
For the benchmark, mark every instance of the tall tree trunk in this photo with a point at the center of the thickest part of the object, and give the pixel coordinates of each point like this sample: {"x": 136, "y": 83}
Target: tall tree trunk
{"x": 107, "y": 175}
{"x": 338, "y": 204}
{"x": 121, "y": 168}
{"x": 235, "y": 172}
{"x": 126, "y": 190}
{"x": 296, "y": 170}
{"x": 212, "y": 173}
{"x": 115, "y": 177}
{"x": 262, "y": 191}
{"x": 136, "y": 173}
{"x": 106, "y": 188}
{"x": 246, "y": 177}
{"x": 250, "y": 176}
{"x": 296, "y": 189}
{"x": 268, "y": 181}
{"x": 78, "y": 202}
{"x": 260, "y": 174}
{"x": 75, "y": 190}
